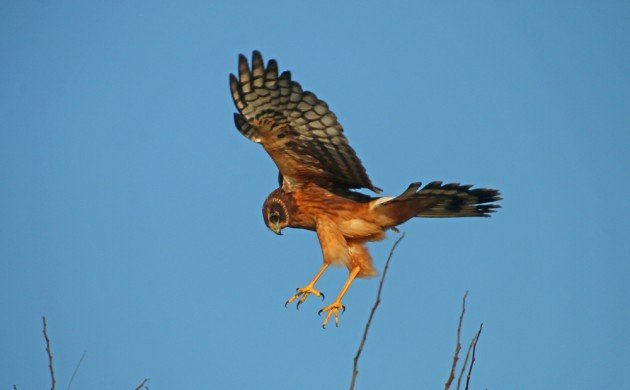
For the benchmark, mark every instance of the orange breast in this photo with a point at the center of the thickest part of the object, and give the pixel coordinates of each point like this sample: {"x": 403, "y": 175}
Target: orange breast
{"x": 354, "y": 219}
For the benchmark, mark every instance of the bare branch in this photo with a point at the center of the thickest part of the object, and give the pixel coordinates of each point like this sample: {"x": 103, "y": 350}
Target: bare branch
{"x": 76, "y": 369}
{"x": 142, "y": 384}
{"x": 50, "y": 357}
{"x": 355, "y": 370}
{"x": 458, "y": 345}
{"x": 461, "y": 372}
{"x": 474, "y": 347}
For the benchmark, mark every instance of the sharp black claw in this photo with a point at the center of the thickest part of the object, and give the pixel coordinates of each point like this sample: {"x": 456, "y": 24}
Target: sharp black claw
{"x": 322, "y": 297}
{"x": 343, "y": 309}
{"x": 323, "y": 326}
{"x": 286, "y": 303}
{"x": 319, "y": 313}
{"x": 297, "y": 307}
{"x": 297, "y": 289}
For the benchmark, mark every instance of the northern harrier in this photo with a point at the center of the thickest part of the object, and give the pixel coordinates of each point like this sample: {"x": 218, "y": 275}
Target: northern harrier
{"x": 319, "y": 172}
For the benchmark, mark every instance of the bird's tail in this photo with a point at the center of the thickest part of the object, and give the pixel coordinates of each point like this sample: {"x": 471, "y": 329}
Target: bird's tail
{"x": 440, "y": 201}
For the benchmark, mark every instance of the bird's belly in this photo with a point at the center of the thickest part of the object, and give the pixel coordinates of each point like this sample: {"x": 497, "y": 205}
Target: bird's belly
{"x": 360, "y": 228}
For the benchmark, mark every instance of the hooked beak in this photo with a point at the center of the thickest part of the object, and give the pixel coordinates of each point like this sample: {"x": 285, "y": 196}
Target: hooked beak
{"x": 276, "y": 229}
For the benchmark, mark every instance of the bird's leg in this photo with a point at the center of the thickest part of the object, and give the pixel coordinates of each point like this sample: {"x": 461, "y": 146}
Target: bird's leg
{"x": 334, "y": 307}
{"x": 309, "y": 289}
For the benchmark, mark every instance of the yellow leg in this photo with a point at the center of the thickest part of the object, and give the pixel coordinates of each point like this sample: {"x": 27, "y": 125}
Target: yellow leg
{"x": 334, "y": 307}
{"x": 309, "y": 289}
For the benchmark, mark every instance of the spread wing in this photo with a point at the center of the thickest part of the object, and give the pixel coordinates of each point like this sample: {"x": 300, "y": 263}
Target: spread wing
{"x": 299, "y": 132}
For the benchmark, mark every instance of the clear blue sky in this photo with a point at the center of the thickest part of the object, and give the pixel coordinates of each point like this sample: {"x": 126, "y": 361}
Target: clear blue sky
{"x": 130, "y": 205}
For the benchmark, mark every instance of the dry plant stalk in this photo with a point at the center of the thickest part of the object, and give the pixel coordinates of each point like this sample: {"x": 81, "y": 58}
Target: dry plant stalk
{"x": 142, "y": 384}
{"x": 458, "y": 346}
{"x": 461, "y": 372}
{"x": 355, "y": 370}
{"x": 76, "y": 369}
{"x": 50, "y": 357}
{"x": 474, "y": 347}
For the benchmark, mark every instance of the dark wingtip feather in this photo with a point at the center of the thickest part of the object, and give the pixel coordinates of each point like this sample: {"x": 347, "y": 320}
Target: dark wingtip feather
{"x": 233, "y": 83}
{"x": 433, "y": 185}
{"x": 257, "y": 60}
{"x": 242, "y": 62}
{"x": 272, "y": 70}
{"x": 238, "y": 119}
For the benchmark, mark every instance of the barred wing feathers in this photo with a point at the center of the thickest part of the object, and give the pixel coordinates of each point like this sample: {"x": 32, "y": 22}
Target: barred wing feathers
{"x": 298, "y": 130}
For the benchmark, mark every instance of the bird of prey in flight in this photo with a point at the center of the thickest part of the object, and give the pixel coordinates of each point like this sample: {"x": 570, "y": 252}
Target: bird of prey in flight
{"x": 319, "y": 173}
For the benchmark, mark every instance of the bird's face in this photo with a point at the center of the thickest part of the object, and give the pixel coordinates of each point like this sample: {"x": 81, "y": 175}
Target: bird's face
{"x": 275, "y": 215}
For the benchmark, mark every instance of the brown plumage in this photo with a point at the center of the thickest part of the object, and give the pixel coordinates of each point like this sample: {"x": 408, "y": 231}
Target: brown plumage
{"x": 319, "y": 171}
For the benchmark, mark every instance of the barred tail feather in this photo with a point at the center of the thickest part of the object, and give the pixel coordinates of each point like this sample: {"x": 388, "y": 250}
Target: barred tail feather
{"x": 458, "y": 200}
{"x": 441, "y": 201}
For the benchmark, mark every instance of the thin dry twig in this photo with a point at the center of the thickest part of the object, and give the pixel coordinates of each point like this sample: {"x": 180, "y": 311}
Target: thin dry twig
{"x": 461, "y": 372}
{"x": 76, "y": 369}
{"x": 474, "y": 347}
{"x": 458, "y": 345}
{"x": 142, "y": 384}
{"x": 355, "y": 371}
{"x": 50, "y": 357}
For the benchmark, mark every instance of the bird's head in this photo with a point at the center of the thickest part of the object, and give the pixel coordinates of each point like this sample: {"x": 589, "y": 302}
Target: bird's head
{"x": 275, "y": 214}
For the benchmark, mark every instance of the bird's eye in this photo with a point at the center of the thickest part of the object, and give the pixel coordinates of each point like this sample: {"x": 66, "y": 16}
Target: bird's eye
{"x": 274, "y": 218}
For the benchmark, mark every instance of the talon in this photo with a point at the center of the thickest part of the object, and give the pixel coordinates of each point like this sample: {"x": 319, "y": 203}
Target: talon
{"x": 302, "y": 294}
{"x": 285, "y": 304}
{"x": 343, "y": 309}
{"x": 319, "y": 313}
{"x": 322, "y": 296}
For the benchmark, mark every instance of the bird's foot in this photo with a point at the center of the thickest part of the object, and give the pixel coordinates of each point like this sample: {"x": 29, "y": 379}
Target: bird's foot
{"x": 302, "y": 294}
{"x": 332, "y": 309}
